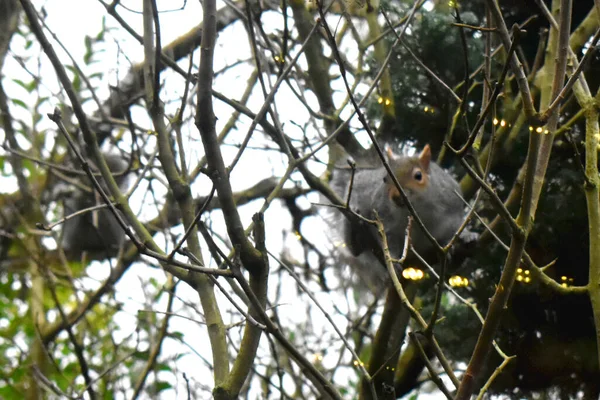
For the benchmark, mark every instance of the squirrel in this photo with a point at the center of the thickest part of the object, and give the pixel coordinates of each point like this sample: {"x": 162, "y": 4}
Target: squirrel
{"x": 99, "y": 230}
{"x": 432, "y": 191}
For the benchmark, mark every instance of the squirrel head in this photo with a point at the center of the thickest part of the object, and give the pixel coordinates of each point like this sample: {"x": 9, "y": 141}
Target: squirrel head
{"x": 412, "y": 173}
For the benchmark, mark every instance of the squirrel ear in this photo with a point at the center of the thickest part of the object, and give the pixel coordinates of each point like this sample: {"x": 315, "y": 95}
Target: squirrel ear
{"x": 425, "y": 157}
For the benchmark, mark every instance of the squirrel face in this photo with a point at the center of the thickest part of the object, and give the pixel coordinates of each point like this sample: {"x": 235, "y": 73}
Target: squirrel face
{"x": 412, "y": 173}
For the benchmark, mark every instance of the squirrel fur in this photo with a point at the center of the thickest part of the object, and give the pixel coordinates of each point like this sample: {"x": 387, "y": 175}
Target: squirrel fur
{"x": 432, "y": 191}
{"x": 99, "y": 230}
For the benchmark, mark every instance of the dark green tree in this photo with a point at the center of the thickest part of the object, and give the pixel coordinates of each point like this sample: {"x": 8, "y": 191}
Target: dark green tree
{"x": 230, "y": 150}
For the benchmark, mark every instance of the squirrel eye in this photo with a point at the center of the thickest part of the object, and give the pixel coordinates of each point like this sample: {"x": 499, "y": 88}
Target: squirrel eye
{"x": 418, "y": 175}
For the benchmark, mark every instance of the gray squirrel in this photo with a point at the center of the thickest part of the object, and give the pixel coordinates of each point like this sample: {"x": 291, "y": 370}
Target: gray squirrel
{"x": 98, "y": 230}
{"x": 432, "y": 191}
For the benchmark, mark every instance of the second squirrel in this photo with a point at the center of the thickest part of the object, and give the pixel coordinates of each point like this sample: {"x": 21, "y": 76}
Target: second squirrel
{"x": 99, "y": 230}
{"x": 432, "y": 191}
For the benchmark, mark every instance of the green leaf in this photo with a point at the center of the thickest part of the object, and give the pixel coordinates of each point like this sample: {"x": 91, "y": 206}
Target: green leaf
{"x": 163, "y": 367}
{"x": 141, "y": 355}
{"x": 100, "y": 35}
{"x": 176, "y": 335}
{"x": 160, "y": 386}
{"x": 89, "y": 51}
{"x": 27, "y": 86}
{"x": 19, "y": 103}
{"x": 77, "y": 83}
{"x": 10, "y": 392}
{"x": 20, "y": 83}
